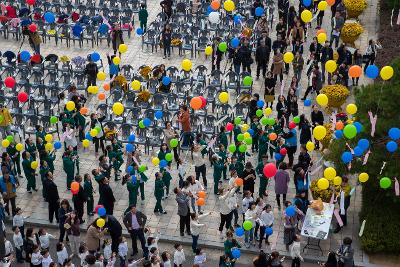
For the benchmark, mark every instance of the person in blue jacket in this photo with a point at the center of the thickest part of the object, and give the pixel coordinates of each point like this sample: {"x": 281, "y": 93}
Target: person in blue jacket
{"x": 8, "y": 190}
{"x": 291, "y": 144}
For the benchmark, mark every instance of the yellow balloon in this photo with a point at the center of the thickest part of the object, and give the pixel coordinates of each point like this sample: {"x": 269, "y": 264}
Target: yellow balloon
{"x": 323, "y": 183}
{"x": 116, "y": 60}
{"x": 70, "y": 105}
{"x": 34, "y": 165}
{"x": 48, "y": 137}
{"x": 93, "y": 132}
{"x": 363, "y": 177}
{"x": 322, "y": 100}
{"x": 337, "y": 180}
{"x": 267, "y": 111}
{"x": 319, "y": 132}
{"x": 386, "y": 73}
{"x": 100, "y": 222}
{"x": 48, "y": 146}
{"x": 329, "y": 173}
{"x": 90, "y": 89}
{"x": 288, "y": 57}
{"x": 322, "y": 5}
{"x": 223, "y": 97}
{"x": 155, "y": 161}
{"x": 186, "y": 64}
{"x": 351, "y": 109}
{"x": 246, "y": 134}
{"x": 86, "y": 143}
{"x": 101, "y": 75}
{"x": 135, "y": 84}
{"x": 306, "y": 15}
{"x": 123, "y": 48}
{"x": 321, "y": 38}
{"x": 5, "y": 143}
{"x": 19, "y": 147}
{"x": 95, "y": 89}
{"x": 208, "y": 51}
{"x": 229, "y": 5}
{"x": 118, "y": 108}
{"x": 310, "y": 146}
{"x": 330, "y": 66}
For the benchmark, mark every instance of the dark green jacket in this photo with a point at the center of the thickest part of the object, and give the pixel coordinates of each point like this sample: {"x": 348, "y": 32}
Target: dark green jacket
{"x": 68, "y": 165}
{"x": 29, "y": 172}
{"x": 159, "y": 188}
{"x": 88, "y": 189}
{"x": 143, "y": 15}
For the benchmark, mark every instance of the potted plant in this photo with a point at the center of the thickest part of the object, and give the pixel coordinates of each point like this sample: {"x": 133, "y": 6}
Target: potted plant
{"x": 354, "y": 8}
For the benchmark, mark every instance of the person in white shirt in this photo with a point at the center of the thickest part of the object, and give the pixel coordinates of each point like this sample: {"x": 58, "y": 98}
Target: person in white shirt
{"x": 195, "y": 227}
{"x": 200, "y": 258}
{"x": 250, "y": 216}
{"x": 69, "y": 137}
{"x": 112, "y": 260}
{"x": 36, "y": 258}
{"x": 199, "y": 163}
{"x": 46, "y": 258}
{"x": 44, "y": 238}
{"x": 83, "y": 252}
{"x": 179, "y": 255}
{"x": 246, "y": 201}
{"x": 122, "y": 251}
{"x": 259, "y": 209}
{"x": 68, "y": 263}
{"x": 181, "y": 172}
{"x": 8, "y": 247}
{"x": 152, "y": 242}
{"x": 19, "y": 220}
{"x": 134, "y": 263}
{"x": 107, "y": 252}
{"x": 294, "y": 249}
{"x": 62, "y": 253}
{"x": 225, "y": 208}
{"x": 18, "y": 244}
{"x": 194, "y": 187}
{"x": 266, "y": 220}
{"x": 165, "y": 257}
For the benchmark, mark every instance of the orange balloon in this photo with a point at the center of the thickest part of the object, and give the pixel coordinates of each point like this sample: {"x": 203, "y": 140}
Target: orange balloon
{"x": 330, "y": 2}
{"x": 101, "y": 96}
{"x": 339, "y": 125}
{"x": 273, "y": 136}
{"x": 83, "y": 110}
{"x": 196, "y": 102}
{"x": 215, "y": 5}
{"x": 320, "y": 31}
{"x": 355, "y": 71}
{"x": 75, "y": 186}
{"x": 238, "y": 181}
{"x": 200, "y": 202}
{"x": 201, "y": 194}
{"x": 106, "y": 86}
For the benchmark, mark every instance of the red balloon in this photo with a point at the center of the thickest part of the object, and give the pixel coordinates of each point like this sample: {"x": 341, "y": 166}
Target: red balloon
{"x": 30, "y": 2}
{"x": 283, "y": 151}
{"x": 32, "y": 27}
{"x": 229, "y": 127}
{"x": 9, "y": 82}
{"x": 98, "y": 207}
{"x": 22, "y": 97}
{"x": 292, "y": 125}
{"x": 203, "y": 101}
{"x": 74, "y": 192}
{"x": 269, "y": 170}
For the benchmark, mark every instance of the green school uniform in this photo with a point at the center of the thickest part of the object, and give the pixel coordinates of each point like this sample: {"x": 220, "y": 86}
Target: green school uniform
{"x": 263, "y": 179}
{"x": 133, "y": 189}
{"x": 263, "y": 145}
{"x": 88, "y": 190}
{"x": 43, "y": 170}
{"x": 31, "y": 149}
{"x": 143, "y": 179}
{"x": 161, "y": 154}
{"x": 203, "y": 143}
{"x": 218, "y": 168}
{"x": 115, "y": 162}
{"x": 99, "y": 177}
{"x": 29, "y": 174}
{"x": 238, "y": 166}
{"x": 80, "y": 120}
{"x": 41, "y": 135}
{"x": 50, "y": 161}
{"x": 143, "y": 15}
{"x": 166, "y": 178}
{"x": 236, "y": 131}
{"x": 15, "y": 157}
{"x": 222, "y": 139}
{"x": 69, "y": 168}
{"x": 158, "y": 193}
{"x": 75, "y": 153}
{"x": 223, "y": 156}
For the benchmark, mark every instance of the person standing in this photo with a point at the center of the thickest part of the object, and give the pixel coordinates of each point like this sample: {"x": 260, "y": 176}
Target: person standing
{"x": 143, "y": 15}
{"x": 326, "y": 54}
{"x": 371, "y": 52}
{"x": 199, "y": 163}
{"x": 96, "y": 123}
{"x": 281, "y": 183}
{"x": 166, "y": 38}
{"x": 88, "y": 189}
{"x": 269, "y": 93}
{"x": 317, "y": 118}
{"x": 295, "y": 254}
{"x": 114, "y": 228}
{"x": 5, "y": 121}
{"x": 298, "y": 64}
{"x": 117, "y": 37}
{"x": 225, "y": 208}
{"x": 68, "y": 167}
{"x": 8, "y": 190}
{"x": 277, "y": 65}
{"x": 79, "y": 199}
{"x": 135, "y": 222}
{"x": 29, "y": 171}
{"x": 166, "y": 6}
{"x": 263, "y": 179}
{"x": 346, "y": 253}
{"x": 52, "y": 197}
{"x": 229, "y": 244}
{"x": 16, "y": 159}
{"x": 93, "y": 236}
{"x": 74, "y": 231}
{"x": 159, "y": 193}
{"x": 183, "y": 210}
{"x": 91, "y": 71}
{"x": 216, "y": 55}
{"x": 249, "y": 177}
{"x": 63, "y": 213}
{"x": 245, "y": 55}
{"x": 107, "y": 198}
{"x": 305, "y": 130}
{"x": 344, "y": 202}
{"x": 195, "y": 227}
{"x": 34, "y": 40}
{"x": 184, "y": 122}
{"x": 262, "y": 58}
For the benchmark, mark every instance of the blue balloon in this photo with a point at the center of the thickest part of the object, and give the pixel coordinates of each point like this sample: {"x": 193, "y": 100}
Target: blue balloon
{"x": 306, "y": 3}
{"x": 363, "y": 144}
{"x": 25, "y": 56}
{"x": 250, "y": 131}
{"x": 358, "y": 151}
{"x": 338, "y": 133}
{"x": 57, "y": 145}
{"x": 95, "y": 56}
{"x": 146, "y": 122}
{"x": 49, "y": 17}
{"x": 372, "y": 71}
{"x": 131, "y": 138}
{"x": 260, "y": 103}
{"x": 394, "y": 133}
{"x": 77, "y": 30}
{"x": 237, "y": 19}
{"x": 139, "y": 31}
{"x": 347, "y": 157}
{"x": 158, "y": 114}
{"x": 235, "y": 42}
{"x": 163, "y": 163}
{"x": 259, "y": 11}
{"x": 166, "y": 80}
{"x": 358, "y": 126}
{"x": 236, "y": 253}
{"x": 239, "y": 231}
{"x": 290, "y": 211}
{"x": 307, "y": 102}
{"x": 103, "y": 29}
{"x": 391, "y": 146}
{"x": 209, "y": 10}
{"x": 129, "y": 147}
{"x": 278, "y": 156}
{"x": 129, "y": 169}
{"x": 88, "y": 137}
{"x": 101, "y": 211}
{"x": 268, "y": 231}
{"x": 134, "y": 179}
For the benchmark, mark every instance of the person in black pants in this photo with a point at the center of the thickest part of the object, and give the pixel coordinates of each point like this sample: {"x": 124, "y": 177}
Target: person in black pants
{"x": 183, "y": 210}
{"x": 52, "y": 196}
{"x": 96, "y": 122}
{"x": 91, "y": 71}
{"x": 63, "y": 213}
{"x": 216, "y": 55}
{"x": 115, "y": 230}
{"x": 135, "y": 222}
{"x": 107, "y": 198}
{"x": 166, "y": 37}
{"x": 262, "y": 58}
{"x": 79, "y": 199}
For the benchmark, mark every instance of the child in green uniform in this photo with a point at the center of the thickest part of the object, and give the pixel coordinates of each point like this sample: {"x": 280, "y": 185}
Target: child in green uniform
{"x": 263, "y": 144}
{"x": 40, "y": 133}
{"x": 15, "y": 157}
{"x": 115, "y": 157}
{"x": 69, "y": 167}
{"x": 132, "y": 185}
{"x": 74, "y": 154}
{"x": 263, "y": 179}
{"x": 143, "y": 15}
{"x": 40, "y": 146}
{"x": 98, "y": 175}
{"x": 222, "y": 138}
{"x": 44, "y": 169}
{"x": 237, "y": 166}
{"x": 80, "y": 122}
{"x": 236, "y": 131}
{"x": 166, "y": 177}
{"x": 49, "y": 158}
{"x": 255, "y": 126}
{"x": 163, "y": 151}
{"x": 29, "y": 171}
{"x": 159, "y": 193}
{"x": 143, "y": 180}
{"x": 88, "y": 190}
{"x": 200, "y": 140}
{"x": 218, "y": 168}
{"x": 31, "y": 148}
{"x": 223, "y": 157}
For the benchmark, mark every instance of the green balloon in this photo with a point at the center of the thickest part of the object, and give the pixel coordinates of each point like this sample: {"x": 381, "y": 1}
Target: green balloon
{"x": 222, "y": 46}
{"x": 141, "y": 124}
{"x": 142, "y": 168}
{"x": 350, "y": 131}
{"x": 271, "y": 121}
{"x": 264, "y": 121}
{"x": 173, "y": 143}
{"x": 1, "y": 118}
{"x": 248, "y": 141}
{"x": 242, "y": 148}
{"x": 53, "y": 119}
{"x": 385, "y": 182}
{"x": 240, "y": 137}
{"x": 296, "y": 119}
{"x": 259, "y": 113}
{"x": 247, "y": 225}
{"x": 98, "y": 129}
{"x": 10, "y": 138}
{"x": 168, "y": 157}
{"x": 232, "y": 148}
{"x": 247, "y": 80}
{"x": 237, "y": 120}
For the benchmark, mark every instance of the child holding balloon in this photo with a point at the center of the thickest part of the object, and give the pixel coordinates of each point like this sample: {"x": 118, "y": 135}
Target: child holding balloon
{"x": 15, "y": 156}
{"x": 29, "y": 166}
{"x": 218, "y": 168}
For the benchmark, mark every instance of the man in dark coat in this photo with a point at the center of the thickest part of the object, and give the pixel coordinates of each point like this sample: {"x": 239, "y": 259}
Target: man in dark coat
{"x": 216, "y": 55}
{"x": 115, "y": 230}
{"x": 79, "y": 199}
{"x": 52, "y": 196}
{"x": 107, "y": 198}
{"x": 262, "y": 58}
{"x": 135, "y": 222}
{"x": 91, "y": 71}
{"x": 245, "y": 55}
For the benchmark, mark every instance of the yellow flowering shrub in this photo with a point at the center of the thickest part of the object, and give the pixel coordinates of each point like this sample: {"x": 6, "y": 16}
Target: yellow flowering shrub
{"x": 355, "y": 7}
{"x": 145, "y": 72}
{"x": 351, "y": 31}
{"x": 176, "y": 42}
{"x": 325, "y": 194}
{"x": 337, "y": 95}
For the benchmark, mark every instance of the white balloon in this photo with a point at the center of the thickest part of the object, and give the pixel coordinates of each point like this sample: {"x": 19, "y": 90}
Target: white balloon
{"x": 214, "y": 17}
